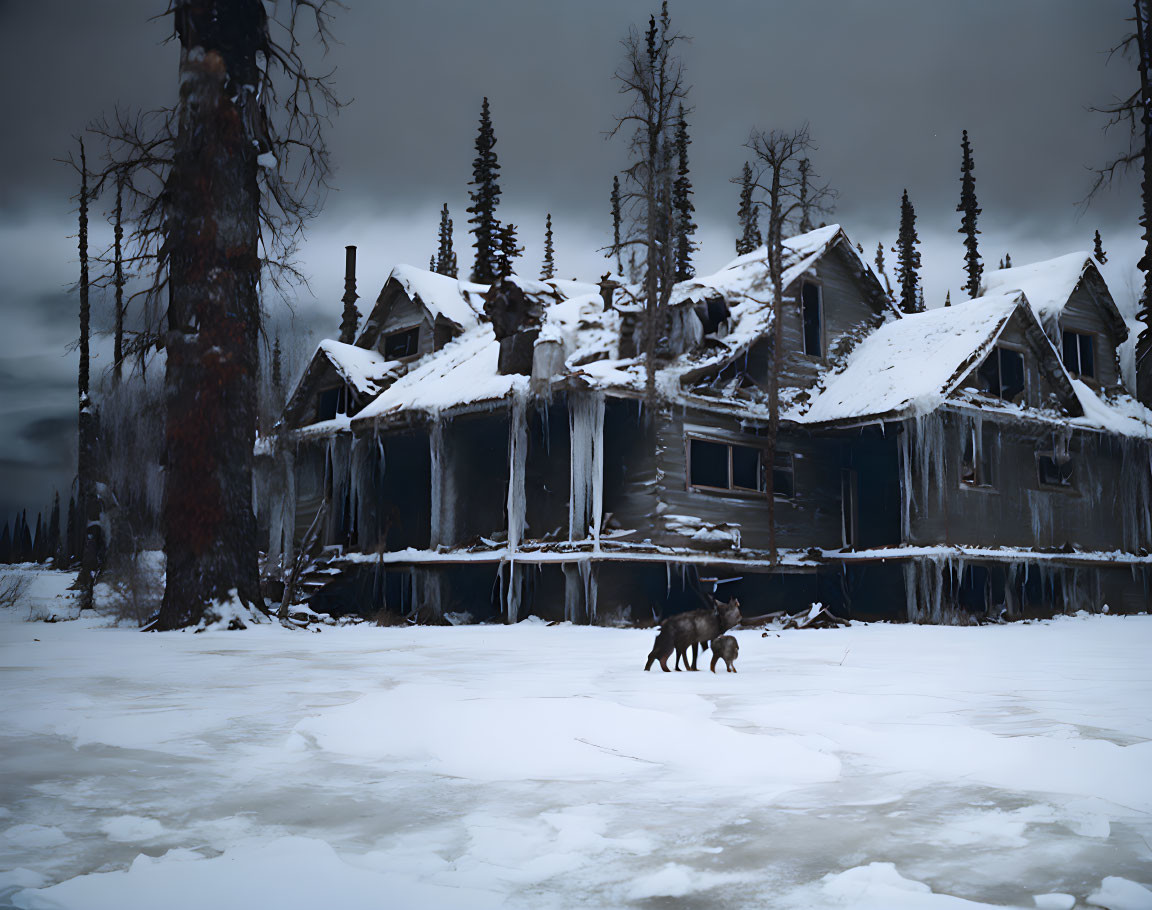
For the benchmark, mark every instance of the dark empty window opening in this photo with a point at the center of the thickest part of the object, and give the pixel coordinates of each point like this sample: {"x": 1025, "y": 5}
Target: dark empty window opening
{"x": 848, "y": 506}
{"x": 402, "y": 344}
{"x": 1002, "y": 374}
{"x": 783, "y": 475}
{"x": 331, "y": 402}
{"x": 812, "y": 316}
{"x": 978, "y": 463}
{"x": 1079, "y": 356}
{"x": 973, "y": 592}
{"x": 725, "y": 466}
{"x": 1053, "y": 471}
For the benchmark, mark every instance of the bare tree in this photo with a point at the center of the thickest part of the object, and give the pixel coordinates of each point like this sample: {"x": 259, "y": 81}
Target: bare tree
{"x": 784, "y": 178}
{"x": 652, "y": 77}
{"x": 1136, "y": 112}
{"x": 220, "y": 187}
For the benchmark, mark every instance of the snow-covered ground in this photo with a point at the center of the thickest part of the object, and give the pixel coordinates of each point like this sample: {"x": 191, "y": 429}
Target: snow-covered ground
{"x": 878, "y": 766}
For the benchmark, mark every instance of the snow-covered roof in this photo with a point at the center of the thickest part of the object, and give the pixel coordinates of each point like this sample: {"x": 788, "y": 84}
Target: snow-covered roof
{"x": 459, "y": 302}
{"x": 1048, "y": 285}
{"x": 911, "y": 365}
{"x": 1118, "y": 413}
{"x": 366, "y": 371}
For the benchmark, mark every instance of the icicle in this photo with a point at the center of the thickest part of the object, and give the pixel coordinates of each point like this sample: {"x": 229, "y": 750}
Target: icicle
{"x": 588, "y": 577}
{"x": 586, "y": 475}
{"x": 441, "y": 525}
{"x": 906, "y": 492}
{"x": 517, "y": 457}
{"x": 571, "y": 592}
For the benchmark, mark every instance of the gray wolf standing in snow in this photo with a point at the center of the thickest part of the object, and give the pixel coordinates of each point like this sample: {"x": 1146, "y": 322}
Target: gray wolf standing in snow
{"x": 725, "y": 648}
{"x": 692, "y": 629}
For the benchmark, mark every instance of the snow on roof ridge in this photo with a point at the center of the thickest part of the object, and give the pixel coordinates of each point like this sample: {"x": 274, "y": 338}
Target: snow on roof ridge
{"x": 362, "y": 368}
{"x": 442, "y": 295}
{"x": 1048, "y": 283}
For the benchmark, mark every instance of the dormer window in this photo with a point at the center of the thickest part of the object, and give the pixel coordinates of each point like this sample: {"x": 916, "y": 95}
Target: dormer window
{"x": 331, "y": 402}
{"x": 1002, "y": 374}
{"x": 399, "y": 345}
{"x": 1079, "y": 354}
{"x": 812, "y": 317}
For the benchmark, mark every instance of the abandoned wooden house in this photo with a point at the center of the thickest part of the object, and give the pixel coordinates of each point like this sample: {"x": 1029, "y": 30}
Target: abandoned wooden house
{"x": 490, "y": 452}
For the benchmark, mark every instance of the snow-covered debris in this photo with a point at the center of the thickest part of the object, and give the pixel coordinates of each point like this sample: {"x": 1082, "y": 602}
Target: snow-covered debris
{"x": 909, "y": 366}
{"x": 1118, "y": 413}
{"x": 1116, "y": 893}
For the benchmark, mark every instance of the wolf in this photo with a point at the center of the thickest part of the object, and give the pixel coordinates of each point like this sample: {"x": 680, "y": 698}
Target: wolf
{"x": 678, "y": 633}
{"x": 725, "y": 648}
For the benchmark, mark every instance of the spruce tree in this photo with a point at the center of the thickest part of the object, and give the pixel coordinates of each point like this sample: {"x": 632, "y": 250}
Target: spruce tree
{"x": 485, "y": 197}
{"x": 682, "y": 206}
{"x": 748, "y": 215}
{"x": 548, "y": 269}
{"x": 507, "y": 251}
{"x": 432, "y": 263}
{"x": 1007, "y": 260}
{"x": 39, "y": 542}
{"x": 71, "y": 542}
{"x": 881, "y": 268}
{"x": 1098, "y": 250}
{"x": 805, "y": 208}
{"x": 968, "y": 223}
{"x": 25, "y": 551}
{"x": 5, "y": 545}
{"x": 445, "y": 261}
{"x": 948, "y": 298}
{"x": 53, "y": 542}
{"x": 908, "y": 257}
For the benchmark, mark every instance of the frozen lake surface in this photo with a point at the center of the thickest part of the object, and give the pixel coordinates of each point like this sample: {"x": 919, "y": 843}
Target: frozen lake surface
{"x": 878, "y": 766}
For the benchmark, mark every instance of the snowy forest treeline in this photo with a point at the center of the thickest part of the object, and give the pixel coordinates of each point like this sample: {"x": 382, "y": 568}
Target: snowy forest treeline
{"x": 166, "y": 435}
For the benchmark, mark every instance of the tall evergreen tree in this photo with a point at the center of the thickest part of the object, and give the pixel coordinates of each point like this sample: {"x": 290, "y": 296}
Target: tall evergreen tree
{"x": 908, "y": 258}
{"x": 805, "y": 208}
{"x": 970, "y": 210}
{"x": 1098, "y": 249}
{"x": 548, "y": 269}
{"x": 53, "y": 542}
{"x": 616, "y": 225}
{"x": 277, "y": 372}
{"x": 432, "y": 263}
{"x": 72, "y": 537}
{"x": 682, "y": 206}
{"x": 748, "y": 214}
{"x": 507, "y": 251}
{"x": 5, "y": 545}
{"x": 948, "y": 298}
{"x": 882, "y": 268}
{"x": 39, "y": 541}
{"x": 25, "y": 551}
{"x": 1007, "y": 260}
{"x": 445, "y": 263}
{"x": 485, "y": 197}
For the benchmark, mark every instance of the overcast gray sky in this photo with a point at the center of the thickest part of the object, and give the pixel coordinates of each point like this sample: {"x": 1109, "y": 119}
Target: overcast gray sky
{"x": 886, "y": 86}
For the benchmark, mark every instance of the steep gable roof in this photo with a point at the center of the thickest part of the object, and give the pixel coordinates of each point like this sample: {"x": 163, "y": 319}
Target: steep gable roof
{"x": 365, "y": 372}
{"x": 1049, "y": 285}
{"x": 913, "y": 365}
{"x": 459, "y": 303}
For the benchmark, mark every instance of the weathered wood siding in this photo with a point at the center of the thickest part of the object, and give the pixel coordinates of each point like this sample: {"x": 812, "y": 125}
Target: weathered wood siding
{"x": 1101, "y": 510}
{"x": 1085, "y": 312}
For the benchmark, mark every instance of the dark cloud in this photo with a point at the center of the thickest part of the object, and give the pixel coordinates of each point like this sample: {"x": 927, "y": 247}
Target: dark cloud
{"x": 886, "y": 86}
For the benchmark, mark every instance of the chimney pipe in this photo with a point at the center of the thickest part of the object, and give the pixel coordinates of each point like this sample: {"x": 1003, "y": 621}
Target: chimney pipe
{"x": 351, "y": 316}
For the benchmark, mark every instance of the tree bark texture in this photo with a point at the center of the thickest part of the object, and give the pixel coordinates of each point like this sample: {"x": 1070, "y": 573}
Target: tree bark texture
{"x": 211, "y": 236}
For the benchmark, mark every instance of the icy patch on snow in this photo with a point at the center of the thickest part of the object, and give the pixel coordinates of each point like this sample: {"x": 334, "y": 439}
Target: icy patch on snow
{"x": 36, "y": 836}
{"x": 132, "y": 828}
{"x": 458, "y": 733}
{"x": 1116, "y": 893}
{"x": 284, "y": 872}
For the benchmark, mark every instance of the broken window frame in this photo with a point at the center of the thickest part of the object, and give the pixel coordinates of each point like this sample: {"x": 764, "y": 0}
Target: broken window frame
{"x": 1062, "y": 469}
{"x": 332, "y": 402}
{"x": 804, "y": 338}
{"x": 412, "y": 343}
{"x": 732, "y": 489}
{"x": 849, "y": 508}
{"x": 1022, "y": 397}
{"x": 1083, "y": 340}
{"x": 979, "y": 451}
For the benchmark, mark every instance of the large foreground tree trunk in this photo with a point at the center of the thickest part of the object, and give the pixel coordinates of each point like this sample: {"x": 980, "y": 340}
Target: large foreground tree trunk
{"x": 211, "y": 234}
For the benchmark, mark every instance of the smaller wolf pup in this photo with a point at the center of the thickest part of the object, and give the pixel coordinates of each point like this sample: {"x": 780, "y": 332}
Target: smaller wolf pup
{"x": 727, "y": 648}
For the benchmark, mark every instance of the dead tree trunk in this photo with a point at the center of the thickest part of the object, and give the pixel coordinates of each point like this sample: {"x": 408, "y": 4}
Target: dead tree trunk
{"x": 86, "y": 423}
{"x": 211, "y": 233}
